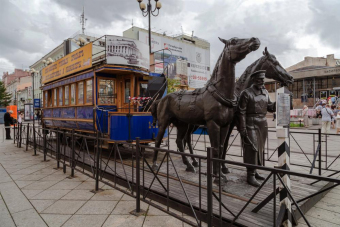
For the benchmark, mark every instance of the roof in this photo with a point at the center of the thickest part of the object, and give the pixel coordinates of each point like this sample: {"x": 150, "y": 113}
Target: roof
{"x": 310, "y": 68}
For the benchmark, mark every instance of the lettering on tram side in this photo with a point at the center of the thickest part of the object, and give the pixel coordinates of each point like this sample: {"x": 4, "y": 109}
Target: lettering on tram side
{"x": 77, "y": 60}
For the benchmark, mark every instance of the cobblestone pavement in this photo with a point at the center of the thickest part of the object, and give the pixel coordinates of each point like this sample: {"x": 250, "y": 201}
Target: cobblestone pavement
{"x": 34, "y": 194}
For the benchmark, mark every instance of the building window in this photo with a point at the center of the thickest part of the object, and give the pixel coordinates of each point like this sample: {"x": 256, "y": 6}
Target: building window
{"x": 80, "y": 93}
{"x": 61, "y": 96}
{"x": 55, "y": 97}
{"x": 73, "y": 94}
{"x": 106, "y": 91}
{"x": 67, "y": 93}
{"x": 142, "y": 89}
{"x": 89, "y": 94}
{"x": 127, "y": 91}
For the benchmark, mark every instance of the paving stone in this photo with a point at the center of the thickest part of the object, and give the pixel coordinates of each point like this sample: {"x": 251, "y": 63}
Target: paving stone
{"x": 31, "y": 193}
{"x": 128, "y": 198}
{"x": 155, "y": 212}
{"x": 33, "y": 177}
{"x": 97, "y": 207}
{"x": 22, "y": 184}
{"x": 55, "y": 220}
{"x": 41, "y": 205}
{"x": 5, "y": 217}
{"x": 86, "y": 221}
{"x": 5, "y": 179}
{"x": 125, "y": 207}
{"x": 41, "y": 185}
{"x": 325, "y": 215}
{"x": 58, "y": 177}
{"x": 65, "y": 185}
{"x": 17, "y": 176}
{"x": 64, "y": 207}
{"x": 51, "y": 194}
{"x": 108, "y": 195}
{"x": 317, "y": 222}
{"x": 14, "y": 198}
{"x": 88, "y": 186}
{"x": 28, "y": 218}
{"x": 78, "y": 195}
{"x": 159, "y": 221}
{"x": 124, "y": 221}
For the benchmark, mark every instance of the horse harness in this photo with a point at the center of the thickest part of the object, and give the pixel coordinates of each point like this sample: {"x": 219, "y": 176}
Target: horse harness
{"x": 212, "y": 90}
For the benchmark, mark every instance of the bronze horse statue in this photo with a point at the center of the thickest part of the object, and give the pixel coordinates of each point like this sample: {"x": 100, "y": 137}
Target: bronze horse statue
{"x": 212, "y": 105}
{"x": 274, "y": 71}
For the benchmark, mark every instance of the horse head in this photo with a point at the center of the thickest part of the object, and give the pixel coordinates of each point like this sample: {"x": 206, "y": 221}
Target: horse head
{"x": 237, "y": 49}
{"x": 274, "y": 70}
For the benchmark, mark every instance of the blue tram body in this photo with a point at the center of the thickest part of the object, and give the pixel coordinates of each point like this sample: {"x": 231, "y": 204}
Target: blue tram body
{"x": 89, "y": 90}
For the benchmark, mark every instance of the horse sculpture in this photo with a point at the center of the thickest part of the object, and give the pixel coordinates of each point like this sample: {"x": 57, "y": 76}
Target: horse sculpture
{"x": 212, "y": 105}
{"x": 274, "y": 71}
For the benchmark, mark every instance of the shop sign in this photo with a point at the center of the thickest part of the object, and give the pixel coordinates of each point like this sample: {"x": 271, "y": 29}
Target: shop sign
{"x": 76, "y": 61}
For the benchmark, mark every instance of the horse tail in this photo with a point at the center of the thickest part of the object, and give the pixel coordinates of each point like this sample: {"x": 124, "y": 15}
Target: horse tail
{"x": 154, "y": 111}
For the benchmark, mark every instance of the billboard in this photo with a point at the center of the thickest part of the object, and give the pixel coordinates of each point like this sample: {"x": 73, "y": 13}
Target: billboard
{"x": 76, "y": 61}
{"x": 125, "y": 51}
{"x": 197, "y": 60}
{"x": 28, "y": 112}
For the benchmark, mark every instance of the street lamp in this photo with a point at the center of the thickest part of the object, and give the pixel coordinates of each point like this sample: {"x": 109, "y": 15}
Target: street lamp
{"x": 33, "y": 71}
{"x": 147, "y": 11}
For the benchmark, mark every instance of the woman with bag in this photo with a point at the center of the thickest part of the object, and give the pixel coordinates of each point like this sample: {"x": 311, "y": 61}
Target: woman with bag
{"x": 327, "y": 115}
{"x": 305, "y": 116}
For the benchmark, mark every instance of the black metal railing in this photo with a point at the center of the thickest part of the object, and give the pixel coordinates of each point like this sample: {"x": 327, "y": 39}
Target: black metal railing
{"x": 126, "y": 166}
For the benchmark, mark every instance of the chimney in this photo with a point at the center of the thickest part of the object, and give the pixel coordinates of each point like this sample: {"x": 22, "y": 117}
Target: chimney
{"x": 330, "y": 60}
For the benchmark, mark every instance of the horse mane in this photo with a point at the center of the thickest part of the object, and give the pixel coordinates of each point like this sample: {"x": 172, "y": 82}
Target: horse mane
{"x": 241, "y": 82}
{"x": 216, "y": 66}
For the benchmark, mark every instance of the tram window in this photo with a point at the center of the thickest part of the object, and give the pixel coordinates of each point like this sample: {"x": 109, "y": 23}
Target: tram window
{"x": 332, "y": 93}
{"x": 49, "y": 98}
{"x": 89, "y": 91}
{"x": 106, "y": 91}
{"x": 45, "y": 99}
{"x": 60, "y": 96}
{"x": 73, "y": 94}
{"x": 80, "y": 93}
{"x": 55, "y": 97}
{"x": 67, "y": 93}
{"x": 142, "y": 89}
{"x": 127, "y": 91}
{"x": 323, "y": 94}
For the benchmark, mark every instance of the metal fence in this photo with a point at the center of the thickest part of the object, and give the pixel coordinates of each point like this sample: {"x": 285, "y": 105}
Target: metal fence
{"x": 167, "y": 189}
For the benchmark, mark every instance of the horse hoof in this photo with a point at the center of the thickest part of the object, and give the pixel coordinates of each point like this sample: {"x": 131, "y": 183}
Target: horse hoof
{"x": 190, "y": 168}
{"x": 195, "y": 164}
{"x": 225, "y": 170}
{"x": 154, "y": 167}
{"x": 221, "y": 181}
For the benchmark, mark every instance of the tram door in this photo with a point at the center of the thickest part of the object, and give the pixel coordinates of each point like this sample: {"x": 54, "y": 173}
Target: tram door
{"x": 125, "y": 92}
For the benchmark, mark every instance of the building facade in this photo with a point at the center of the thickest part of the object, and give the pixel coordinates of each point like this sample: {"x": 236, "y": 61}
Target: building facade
{"x": 314, "y": 78}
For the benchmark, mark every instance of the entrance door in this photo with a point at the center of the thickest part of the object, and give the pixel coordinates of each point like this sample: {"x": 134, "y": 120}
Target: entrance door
{"x": 125, "y": 88}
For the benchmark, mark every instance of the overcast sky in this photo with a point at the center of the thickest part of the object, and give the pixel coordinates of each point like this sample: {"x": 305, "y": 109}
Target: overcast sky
{"x": 291, "y": 29}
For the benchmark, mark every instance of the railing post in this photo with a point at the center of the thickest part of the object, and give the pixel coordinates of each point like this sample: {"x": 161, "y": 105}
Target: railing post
{"x": 209, "y": 186}
{"x": 73, "y": 154}
{"x": 138, "y": 211}
{"x": 13, "y": 133}
{"x": 45, "y": 143}
{"x": 20, "y": 135}
{"x": 34, "y": 141}
{"x": 319, "y": 132}
{"x": 137, "y": 176}
{"x": 64, "y": 143}
{"x": 28, "y": 134}
{"x": 97, "y": 162}
{"x": 58, "y": 149}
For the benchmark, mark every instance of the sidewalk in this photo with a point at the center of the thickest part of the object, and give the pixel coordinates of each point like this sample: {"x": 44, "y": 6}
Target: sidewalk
{"x": 34, "y": 193}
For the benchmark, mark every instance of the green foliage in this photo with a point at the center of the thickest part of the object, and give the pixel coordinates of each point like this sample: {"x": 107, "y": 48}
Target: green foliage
{"x": 293, "y": 124}
{"x": 5, "y": 97}
{"x": 173, "y": 85}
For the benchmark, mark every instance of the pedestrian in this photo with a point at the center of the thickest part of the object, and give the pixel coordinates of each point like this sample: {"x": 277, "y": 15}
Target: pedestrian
{"x": 333, "y": 118}
{"x": 327, "y": 116}
{"x": 8, "y": 120}
{"x": 305, "y": 116}
{"x": 318, "y": 110}
{"x": 274, "y": 116}
{"x": 20, "y": 118}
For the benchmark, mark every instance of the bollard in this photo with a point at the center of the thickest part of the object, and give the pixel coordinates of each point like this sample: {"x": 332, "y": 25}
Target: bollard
{"x": 28, "y": 134}
{"x": 319, "y": 132}
{"x": 73, "y": 153}
{"x": 209, "y": 186}
{"x": 20, "y": 135}
{"x": 34, "y": 141}
{"x": 45, "y": 143}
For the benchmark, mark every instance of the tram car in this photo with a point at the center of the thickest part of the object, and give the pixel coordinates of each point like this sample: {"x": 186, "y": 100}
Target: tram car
{"x": 103, "y": 87}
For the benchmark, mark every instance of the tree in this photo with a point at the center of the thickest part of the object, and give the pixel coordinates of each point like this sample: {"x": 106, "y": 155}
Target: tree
{"x": 5, "y": 97}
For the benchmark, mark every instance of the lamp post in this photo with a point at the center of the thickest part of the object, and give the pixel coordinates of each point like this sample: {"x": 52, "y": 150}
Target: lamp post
{"x": 33, "y": 71}
{"x": 148, "y": 11}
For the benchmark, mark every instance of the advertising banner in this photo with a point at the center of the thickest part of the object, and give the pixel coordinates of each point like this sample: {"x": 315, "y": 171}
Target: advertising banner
{"x": 184, "y": 61}
{"x": 37, "y": 103}
{"x": 125, "y": 51}
{"x": 78, "y": 60}
{"x": 29, "y": 114}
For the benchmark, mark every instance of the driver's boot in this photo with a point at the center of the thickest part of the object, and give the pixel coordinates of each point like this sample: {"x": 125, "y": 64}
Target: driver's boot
{"x": 251, "y": 179}
{"x": 259, "y": 176}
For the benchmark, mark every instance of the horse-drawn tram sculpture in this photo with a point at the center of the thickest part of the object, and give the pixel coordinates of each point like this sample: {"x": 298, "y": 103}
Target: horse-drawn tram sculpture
{"x": 91, "y": 89}
{"x": 96, "y": 99}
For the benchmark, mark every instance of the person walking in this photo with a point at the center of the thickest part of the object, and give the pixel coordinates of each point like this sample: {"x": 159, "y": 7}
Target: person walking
{"x": 8, "y": 120}
{"x": 305, "y": 116}
{"x": 327, "y": 115}
{"x": 20, "y": 118}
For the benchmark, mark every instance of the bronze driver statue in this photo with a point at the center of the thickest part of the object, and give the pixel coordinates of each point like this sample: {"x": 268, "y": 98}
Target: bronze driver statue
{"x": 253, "y": 106}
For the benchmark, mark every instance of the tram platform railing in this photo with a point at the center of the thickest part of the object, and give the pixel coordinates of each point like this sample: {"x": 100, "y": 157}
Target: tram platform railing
{"x": 84, "y": 153}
